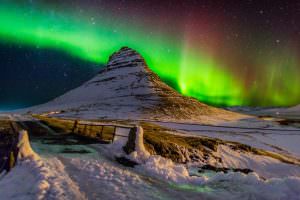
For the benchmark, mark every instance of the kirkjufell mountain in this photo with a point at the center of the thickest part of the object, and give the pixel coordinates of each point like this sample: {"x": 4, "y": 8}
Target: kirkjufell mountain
{"x": 127, "y": 89}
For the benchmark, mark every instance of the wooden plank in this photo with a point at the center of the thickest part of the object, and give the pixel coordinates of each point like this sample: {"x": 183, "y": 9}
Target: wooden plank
{"x": 103, "y": 124}
{"x": 114, "y": 134}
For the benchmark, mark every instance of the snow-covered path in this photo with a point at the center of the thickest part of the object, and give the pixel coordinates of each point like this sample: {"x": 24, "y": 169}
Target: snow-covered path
{"x": 98, "y": 176}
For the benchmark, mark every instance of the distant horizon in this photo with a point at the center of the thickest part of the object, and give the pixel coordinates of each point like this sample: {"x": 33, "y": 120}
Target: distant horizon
{"x": 4, "y": 108}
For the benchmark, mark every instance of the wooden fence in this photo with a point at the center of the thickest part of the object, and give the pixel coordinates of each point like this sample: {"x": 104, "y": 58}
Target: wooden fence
{"x": 100, "y": 131}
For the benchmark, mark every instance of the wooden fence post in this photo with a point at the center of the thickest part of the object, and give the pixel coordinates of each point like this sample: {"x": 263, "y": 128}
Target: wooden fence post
{"x": 75, "y": 126}
{"x": 11, "y": 160}
{"x": 114, "y": 134}
{"x": 84, "y": 130}
{"x": 101, "y": 133}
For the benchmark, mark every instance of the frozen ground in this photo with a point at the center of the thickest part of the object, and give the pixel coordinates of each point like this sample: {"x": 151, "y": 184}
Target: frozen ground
{"x": 53, "y": 174}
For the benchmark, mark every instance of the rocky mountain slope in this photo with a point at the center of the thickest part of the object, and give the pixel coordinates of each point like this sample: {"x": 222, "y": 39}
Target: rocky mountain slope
{"x": 127, "y": 88}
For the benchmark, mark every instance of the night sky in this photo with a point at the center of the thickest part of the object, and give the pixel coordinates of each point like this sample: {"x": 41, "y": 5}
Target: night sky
{"x": 220, "y": 52}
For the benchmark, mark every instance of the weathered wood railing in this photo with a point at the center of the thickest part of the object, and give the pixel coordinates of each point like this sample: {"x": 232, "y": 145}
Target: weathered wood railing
{"x": 101, "y": 131}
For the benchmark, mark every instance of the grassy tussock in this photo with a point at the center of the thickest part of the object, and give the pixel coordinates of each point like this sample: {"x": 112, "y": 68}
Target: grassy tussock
{"x": 58, "y": 125}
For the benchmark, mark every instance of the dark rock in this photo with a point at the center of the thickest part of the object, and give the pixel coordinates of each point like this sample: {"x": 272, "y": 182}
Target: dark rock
{"x": 126, "y": 162}
{"x": 223, "y": 169}
{"x": 81, "y": 151}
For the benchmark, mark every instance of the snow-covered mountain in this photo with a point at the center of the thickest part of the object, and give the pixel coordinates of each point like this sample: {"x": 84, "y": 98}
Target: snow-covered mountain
{"x": 289, "y": 112}
{"x": 292, "y": 111}
{"x": 127, "y": 88}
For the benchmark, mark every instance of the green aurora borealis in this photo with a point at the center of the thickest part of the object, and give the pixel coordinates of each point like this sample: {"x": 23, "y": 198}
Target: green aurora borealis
{"x": 195, "y": 71}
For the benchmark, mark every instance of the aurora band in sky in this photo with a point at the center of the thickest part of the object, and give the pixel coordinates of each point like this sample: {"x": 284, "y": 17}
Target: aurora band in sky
{"x": 192, "y": 71}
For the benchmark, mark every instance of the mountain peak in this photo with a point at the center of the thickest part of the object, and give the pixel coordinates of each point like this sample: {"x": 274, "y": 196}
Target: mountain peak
{"x": 125, "y": 54}
{"x": 125, "y": 58}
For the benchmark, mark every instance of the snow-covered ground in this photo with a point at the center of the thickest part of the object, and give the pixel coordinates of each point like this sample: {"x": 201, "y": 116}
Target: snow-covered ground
{"x": 95, "y": 175}
{"x": 259, "y": 134}
{"x": 288, "y": 111}
{"x": 55, "y": 174}
{"x": 282, "y": 112}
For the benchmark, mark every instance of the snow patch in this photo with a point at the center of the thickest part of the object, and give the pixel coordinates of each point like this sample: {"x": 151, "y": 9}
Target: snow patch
{"x": 161, "y": 167}
{"x": 266, "y": 167}
{"x": 252, "y": 187}
{"x": 105, "y": 180}
{"x": 233, "y": 185}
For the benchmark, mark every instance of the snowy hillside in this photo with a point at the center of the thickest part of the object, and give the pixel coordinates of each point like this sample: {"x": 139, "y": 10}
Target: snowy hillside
{"x": 127, "y": 88}
{"x": 295, "y": 110}
{"x": 291, "y": 112}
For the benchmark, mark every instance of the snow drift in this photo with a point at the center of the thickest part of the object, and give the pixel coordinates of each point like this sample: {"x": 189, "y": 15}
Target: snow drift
{"x": 242, "y": 186}
{"x": 37, "y": 178}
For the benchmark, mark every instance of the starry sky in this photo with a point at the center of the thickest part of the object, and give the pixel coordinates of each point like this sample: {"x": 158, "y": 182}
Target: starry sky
{"x": 224, "y": 53}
